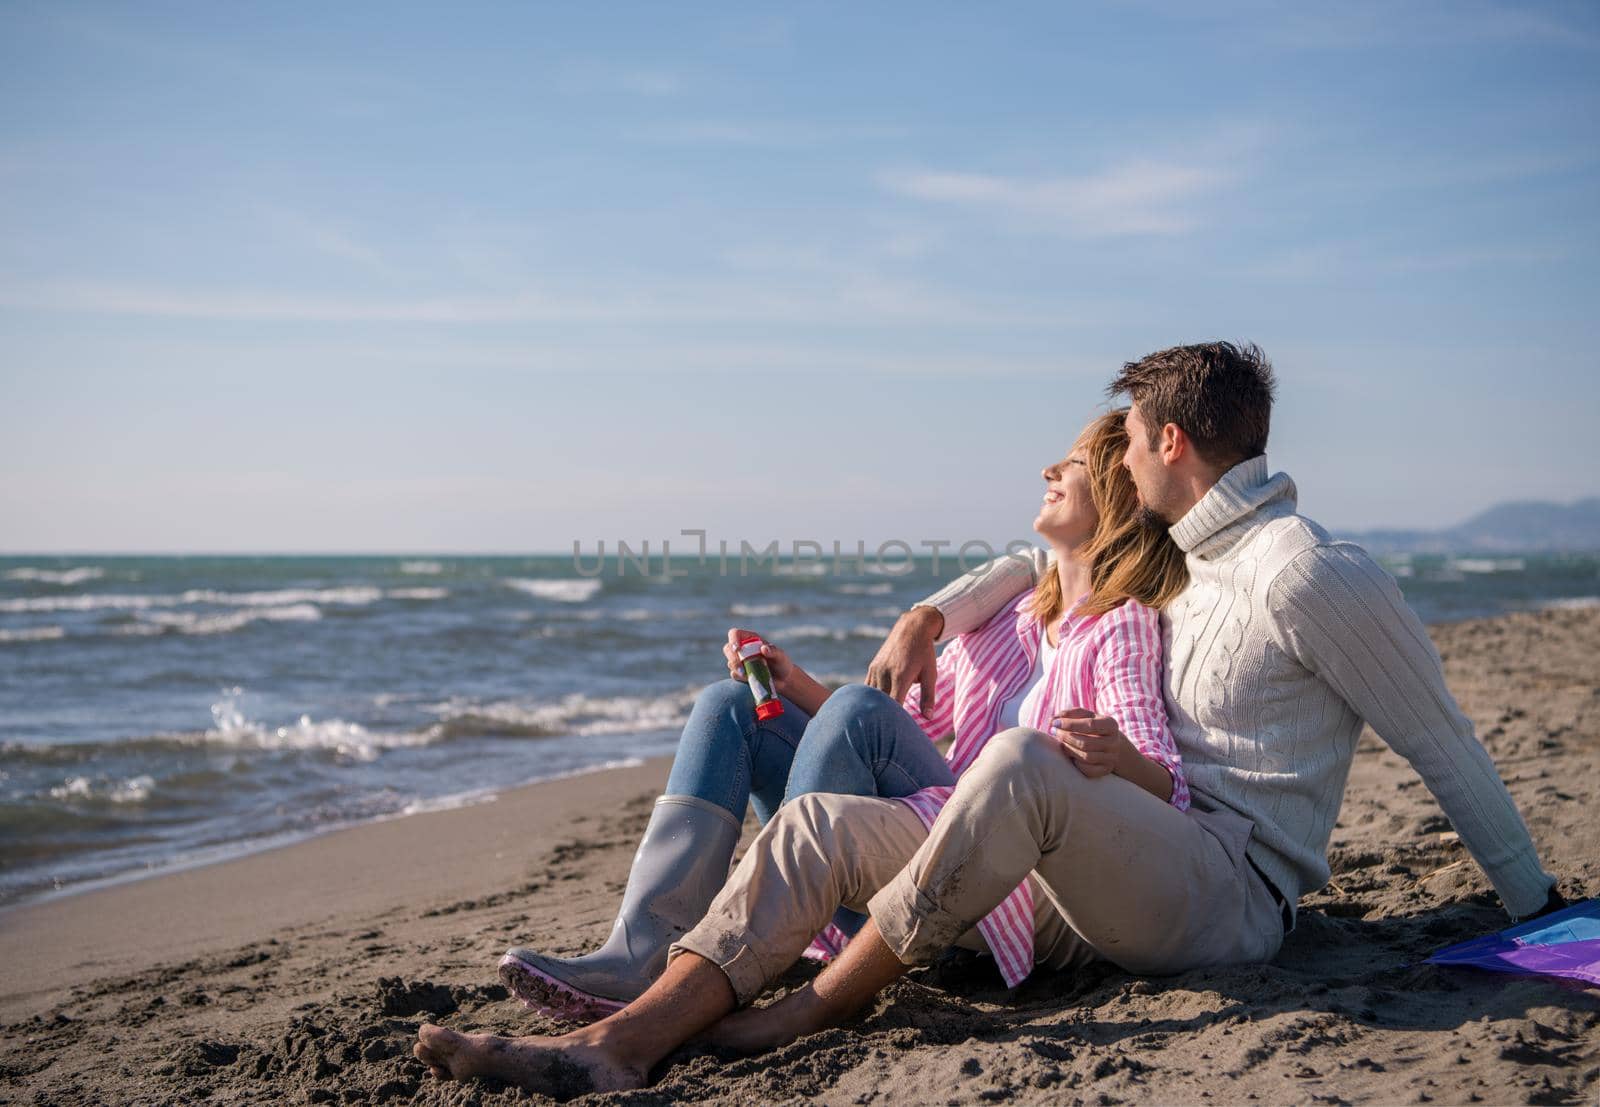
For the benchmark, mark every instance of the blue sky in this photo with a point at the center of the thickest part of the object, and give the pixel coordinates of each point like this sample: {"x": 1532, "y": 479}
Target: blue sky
{"x": 498, "y": 277}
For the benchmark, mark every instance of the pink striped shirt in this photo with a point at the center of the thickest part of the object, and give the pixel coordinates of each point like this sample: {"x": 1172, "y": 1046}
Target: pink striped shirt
{"x": 1109, "y": 664}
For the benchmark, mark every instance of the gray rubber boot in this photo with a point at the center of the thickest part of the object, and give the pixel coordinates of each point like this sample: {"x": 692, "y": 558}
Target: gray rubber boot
{"x": 681, "y": 865}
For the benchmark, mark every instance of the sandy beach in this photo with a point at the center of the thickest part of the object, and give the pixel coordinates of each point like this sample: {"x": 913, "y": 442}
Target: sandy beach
{"x": 300, "y": 975}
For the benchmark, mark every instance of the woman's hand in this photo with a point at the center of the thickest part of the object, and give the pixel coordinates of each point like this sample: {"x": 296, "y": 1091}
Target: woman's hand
{"x": 1095, "y": 743}
{"x": 778, "y": 664}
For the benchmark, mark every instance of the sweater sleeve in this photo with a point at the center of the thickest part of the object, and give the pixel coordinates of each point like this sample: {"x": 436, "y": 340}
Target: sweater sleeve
{"x": 974, "y": 598}
{"x": 1342, "y": 616}
{"x": 1127, "y": 685}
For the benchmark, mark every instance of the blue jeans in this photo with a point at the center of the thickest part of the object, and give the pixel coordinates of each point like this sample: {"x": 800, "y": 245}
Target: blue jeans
{"x": 861, "y": 743}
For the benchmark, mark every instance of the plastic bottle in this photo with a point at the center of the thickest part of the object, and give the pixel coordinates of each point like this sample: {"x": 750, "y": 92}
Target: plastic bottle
{"x": 768, "y": 705}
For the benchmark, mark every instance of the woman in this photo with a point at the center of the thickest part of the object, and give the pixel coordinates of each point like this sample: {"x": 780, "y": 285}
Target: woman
{"x": 855, "y": 740}
{"x": 1085, "y": 642}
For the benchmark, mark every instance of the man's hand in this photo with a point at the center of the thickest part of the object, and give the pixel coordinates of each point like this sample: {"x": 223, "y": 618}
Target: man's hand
{"x": 1095, "y": 743}
{"x": 907, "y": 657}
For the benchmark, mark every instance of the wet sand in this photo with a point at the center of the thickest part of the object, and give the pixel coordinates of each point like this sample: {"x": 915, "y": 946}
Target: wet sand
{"x": 300, "y": 975}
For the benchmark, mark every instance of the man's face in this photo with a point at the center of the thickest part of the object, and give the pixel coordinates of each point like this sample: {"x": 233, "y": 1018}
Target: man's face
{"x": 1144, "y": 465}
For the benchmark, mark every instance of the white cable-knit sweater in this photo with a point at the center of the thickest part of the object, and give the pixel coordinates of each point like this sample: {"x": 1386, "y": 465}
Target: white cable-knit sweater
{"x": 1282, "y": 644}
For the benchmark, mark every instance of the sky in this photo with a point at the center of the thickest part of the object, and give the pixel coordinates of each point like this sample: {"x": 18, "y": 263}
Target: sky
{"x": 502, "y": 278}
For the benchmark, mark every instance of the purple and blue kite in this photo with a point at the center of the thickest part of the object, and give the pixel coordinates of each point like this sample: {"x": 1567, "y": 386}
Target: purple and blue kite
{"x": 1562, "y": 943}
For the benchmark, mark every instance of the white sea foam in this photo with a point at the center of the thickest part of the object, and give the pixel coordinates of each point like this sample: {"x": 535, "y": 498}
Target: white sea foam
{"x": 103, "y": 602}
{"x": 33, "y": 634}
{"x": 760, "y": 610}
{"x": 449, "y": 803}
{"x": 139, "y": 630}
{"x": 838, "y": 634}
{"x": 346, "y": 739}
{"x": 575, "y": 714}
{"x": 1572, "y": 603}
{"x": 417, "y": 593}
{"x": 561, "y": 590}
{"x": 882, "y": 588}
{"x": 67, "y": 577}
{"x": 134, "y": 790}
{"x": 488, "y": 795}
{"x": 356, "y": 596}
{"x": 800, "y": 568}
{"x": 192, "y": 622}
{"x": 1487, "y": 564}
{"x": 594, "y": 615}
{"x": 421, "y": 568}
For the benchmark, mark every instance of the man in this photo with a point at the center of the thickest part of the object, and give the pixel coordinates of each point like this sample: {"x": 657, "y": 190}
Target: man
{"x": 1283, "y": 643}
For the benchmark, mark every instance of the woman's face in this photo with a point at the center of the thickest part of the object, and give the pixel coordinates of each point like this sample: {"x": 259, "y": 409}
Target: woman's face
{"x": 1067, "y": 515}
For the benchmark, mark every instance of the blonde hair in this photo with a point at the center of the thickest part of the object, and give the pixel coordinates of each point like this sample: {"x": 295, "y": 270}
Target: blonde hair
{"x": 1127, "y": 560}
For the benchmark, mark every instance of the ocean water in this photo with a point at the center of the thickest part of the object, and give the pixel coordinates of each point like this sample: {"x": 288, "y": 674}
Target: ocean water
{"x": 165, "y": 711}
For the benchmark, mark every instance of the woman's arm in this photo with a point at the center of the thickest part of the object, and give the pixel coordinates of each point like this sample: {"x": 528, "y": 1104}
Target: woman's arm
{"x": 1130, "y": 710}
{"x": 804, "y": 691}
{"x": 788, "y": 679}
{"x": 1152, "y": 776}
{"x": 1099, "y": 748}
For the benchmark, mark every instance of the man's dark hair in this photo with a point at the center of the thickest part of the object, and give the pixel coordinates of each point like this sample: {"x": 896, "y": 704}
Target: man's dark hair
{"x": 1219, "y": 394}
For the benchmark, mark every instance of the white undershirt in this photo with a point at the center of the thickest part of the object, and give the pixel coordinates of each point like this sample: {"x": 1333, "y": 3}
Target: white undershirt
{"x": 1033, "y": 687}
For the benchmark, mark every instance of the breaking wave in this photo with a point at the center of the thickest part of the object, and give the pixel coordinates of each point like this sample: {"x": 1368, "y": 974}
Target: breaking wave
{"x": 561, "y": 590}
{"x": 760, "y": 610}
{"x": 355, "y": 596}
{"x": 84, "y": 789}
{"x": 64, "y": 577}
{"x": 33, "y": 634}
{"x": 233, "y": 728}
{"x": 837, "y": 634}
{"x": 1572, "y": 603}
{"x": 190, "y": 622}
{"x": 575, "y": 714}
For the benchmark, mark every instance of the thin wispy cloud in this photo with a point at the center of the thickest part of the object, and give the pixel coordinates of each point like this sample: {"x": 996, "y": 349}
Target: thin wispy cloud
{"x": 758, "y": 31}
{"x": 650, "y": 82}
{"x": 379, "y": 352}
{"x": 345, "y": 91}
{"x": 1135, "y": 198}
{"x": 1380, "y": 24}
{"x": 589, "y": 77}
{"x": 864, "y": 299}
{"x": 328, "y": 239}
{"x": 1361, "y": 259}
{"x": 772, "y": 133}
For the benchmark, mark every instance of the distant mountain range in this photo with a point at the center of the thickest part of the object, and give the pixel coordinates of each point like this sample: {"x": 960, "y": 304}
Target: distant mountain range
{"x": 1526, "y": 526}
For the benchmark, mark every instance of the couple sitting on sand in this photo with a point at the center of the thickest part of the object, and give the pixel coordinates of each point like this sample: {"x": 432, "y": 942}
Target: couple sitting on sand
{"x": 1153, "y": 791}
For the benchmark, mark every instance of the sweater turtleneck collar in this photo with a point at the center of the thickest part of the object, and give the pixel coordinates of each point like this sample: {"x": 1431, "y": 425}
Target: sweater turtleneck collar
{"x": 1232, "y": 508}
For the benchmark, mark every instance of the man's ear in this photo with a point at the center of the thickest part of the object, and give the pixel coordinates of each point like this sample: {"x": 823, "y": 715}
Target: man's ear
{"x": 1174, "y": 445}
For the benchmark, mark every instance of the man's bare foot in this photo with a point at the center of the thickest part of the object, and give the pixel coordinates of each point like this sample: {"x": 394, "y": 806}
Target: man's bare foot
{"x": 562, "y": 1067}
{"x": 758, "y": 1029}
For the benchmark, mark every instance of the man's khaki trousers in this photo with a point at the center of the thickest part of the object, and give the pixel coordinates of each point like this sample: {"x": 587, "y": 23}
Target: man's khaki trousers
{"x": 1116, "y": 873}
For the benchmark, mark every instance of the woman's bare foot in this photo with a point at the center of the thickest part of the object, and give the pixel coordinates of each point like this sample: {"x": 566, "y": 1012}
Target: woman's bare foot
{"x": 558, "y": 1067}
